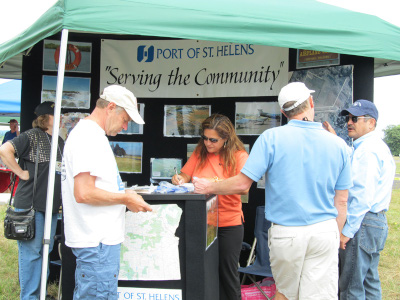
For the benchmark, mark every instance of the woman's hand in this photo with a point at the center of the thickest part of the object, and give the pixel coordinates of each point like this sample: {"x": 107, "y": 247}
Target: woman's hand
{"x": 24, "y": 175}
{"x": 177, "y": 180}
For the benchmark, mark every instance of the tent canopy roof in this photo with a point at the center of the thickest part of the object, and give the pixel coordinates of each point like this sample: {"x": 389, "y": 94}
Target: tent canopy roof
{"x": 299, "y": 24}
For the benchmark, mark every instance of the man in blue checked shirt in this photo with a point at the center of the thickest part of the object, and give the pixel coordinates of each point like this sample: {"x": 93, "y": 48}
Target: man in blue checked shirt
{"x": 365, "y": 231}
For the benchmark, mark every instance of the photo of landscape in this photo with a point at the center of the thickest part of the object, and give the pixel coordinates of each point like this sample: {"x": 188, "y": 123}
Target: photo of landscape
{"x": 128, "y": 156}
{"x": 184, "y": 120}
{"x": 76, "y": 91}
{"x": 333, "y": 88}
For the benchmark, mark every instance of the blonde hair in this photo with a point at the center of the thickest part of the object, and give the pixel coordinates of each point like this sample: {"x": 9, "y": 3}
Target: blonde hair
{"x": 41, "y": 122}
{"x": 225, "y": 129}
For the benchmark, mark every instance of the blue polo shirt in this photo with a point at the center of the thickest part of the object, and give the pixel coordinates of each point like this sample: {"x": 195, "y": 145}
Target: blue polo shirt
{"x": 9, "y": 136}
{"x": 303, "y": 166}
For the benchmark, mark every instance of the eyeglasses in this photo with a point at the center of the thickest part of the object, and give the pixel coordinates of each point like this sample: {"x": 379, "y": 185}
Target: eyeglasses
{"x": 210, "y": 139}
{"x": 354, "y": 119}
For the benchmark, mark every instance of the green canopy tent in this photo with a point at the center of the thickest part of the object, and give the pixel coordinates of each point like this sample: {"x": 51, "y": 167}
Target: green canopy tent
{"x": 299, "y": 24}
{"x": 305, "y": 24}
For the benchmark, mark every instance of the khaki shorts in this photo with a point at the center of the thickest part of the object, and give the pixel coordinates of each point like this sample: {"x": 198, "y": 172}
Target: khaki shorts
{"x": 304, "y": 260}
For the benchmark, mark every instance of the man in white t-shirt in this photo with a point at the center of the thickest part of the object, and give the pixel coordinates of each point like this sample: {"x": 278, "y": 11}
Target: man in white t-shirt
{"x": 94, "y": 198}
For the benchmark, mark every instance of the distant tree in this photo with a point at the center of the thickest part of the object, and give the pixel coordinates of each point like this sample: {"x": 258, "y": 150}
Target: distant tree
{"x": 392, "y": 138}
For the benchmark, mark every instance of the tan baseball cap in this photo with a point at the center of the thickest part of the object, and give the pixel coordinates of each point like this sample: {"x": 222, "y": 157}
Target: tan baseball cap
{"x": 124, "y": 98}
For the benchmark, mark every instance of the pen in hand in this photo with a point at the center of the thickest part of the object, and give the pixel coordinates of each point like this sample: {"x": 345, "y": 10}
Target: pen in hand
{"x": 177, "y": 176}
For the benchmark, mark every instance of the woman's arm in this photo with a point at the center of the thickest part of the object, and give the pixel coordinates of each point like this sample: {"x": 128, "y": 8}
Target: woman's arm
{"x": 7, "y": 154}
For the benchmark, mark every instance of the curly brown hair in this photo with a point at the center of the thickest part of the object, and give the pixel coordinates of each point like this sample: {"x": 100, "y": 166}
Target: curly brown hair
{"x": 225, "y": 129}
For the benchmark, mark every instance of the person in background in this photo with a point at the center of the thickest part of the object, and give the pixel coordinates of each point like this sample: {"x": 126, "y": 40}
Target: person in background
{"x": 307, "y": 175}
{"x": 94, "y": 197}
{"x": 13, "y": 132}
{"x": 220, "y": 155}
{"x": 24, "y": 147}
{"x": 365, "y": 231}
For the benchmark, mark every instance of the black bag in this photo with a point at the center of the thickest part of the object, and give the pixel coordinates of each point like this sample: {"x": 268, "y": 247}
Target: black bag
{"x": 20, "y": 225}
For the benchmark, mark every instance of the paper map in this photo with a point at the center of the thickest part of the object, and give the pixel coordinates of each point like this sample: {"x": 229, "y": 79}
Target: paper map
{"x": 150, "y": 250}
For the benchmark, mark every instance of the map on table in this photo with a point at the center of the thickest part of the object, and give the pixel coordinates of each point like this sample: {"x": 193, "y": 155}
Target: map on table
{"x": 150, "y": 250}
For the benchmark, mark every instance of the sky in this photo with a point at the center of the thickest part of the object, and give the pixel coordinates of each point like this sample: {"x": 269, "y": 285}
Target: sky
{"x": 387, "y": 101}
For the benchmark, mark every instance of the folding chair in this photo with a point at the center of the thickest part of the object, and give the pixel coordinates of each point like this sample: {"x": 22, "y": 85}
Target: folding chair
{"x": 258, "y": 263}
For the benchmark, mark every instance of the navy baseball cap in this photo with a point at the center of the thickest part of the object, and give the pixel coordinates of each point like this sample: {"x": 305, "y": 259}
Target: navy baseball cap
{"x": 361, "y": 108}
{"x": 45, "y": 108}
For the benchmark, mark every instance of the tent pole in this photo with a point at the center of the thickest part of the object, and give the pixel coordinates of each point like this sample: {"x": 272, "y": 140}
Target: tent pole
{"x": 53, "y": 159}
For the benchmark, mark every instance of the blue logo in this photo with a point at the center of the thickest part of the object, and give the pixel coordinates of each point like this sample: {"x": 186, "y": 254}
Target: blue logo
{"x": 142, "y": 53}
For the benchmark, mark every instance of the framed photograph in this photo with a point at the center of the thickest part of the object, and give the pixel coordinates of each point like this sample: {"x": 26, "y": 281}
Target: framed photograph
{"x": 256, "y": 117}
{"x": 128, "y": 156}
{"x": 212, "y": 221}
{"x": 190, "y": 150}
{"x": 134, "y": 128}
{"x": 312, "y": 59}
{"x": 78, "y": 57}
{"x": 333, "y": 88}
{"x": 164, "y": 168}
{"x": 76, "y": 91}
{"x": 247, "y": 148}
{"x": 68, "y": 122}
{"x": 184, "y": 120}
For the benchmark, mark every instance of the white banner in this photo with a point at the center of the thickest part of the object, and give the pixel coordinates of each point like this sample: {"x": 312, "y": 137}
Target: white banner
{"x": 193, "y": 69}
{"x": 129, "y": 293}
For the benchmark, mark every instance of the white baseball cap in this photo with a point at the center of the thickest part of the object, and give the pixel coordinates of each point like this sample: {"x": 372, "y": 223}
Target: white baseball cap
{"x": 294, "y": 91}
{"x": 124, "y": 98}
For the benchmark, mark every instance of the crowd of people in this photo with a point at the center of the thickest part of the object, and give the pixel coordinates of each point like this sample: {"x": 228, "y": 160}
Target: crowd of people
{"x": 320, "y": 195}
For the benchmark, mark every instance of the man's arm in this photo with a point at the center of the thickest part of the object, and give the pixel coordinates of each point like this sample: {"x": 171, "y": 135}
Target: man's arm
{"x": 7, "y": 154}
{"x": 328, "y": 127}
{"x": 85, "y": 191}
{"x": 340, "y": 202}
{"x": 235, "y": 185}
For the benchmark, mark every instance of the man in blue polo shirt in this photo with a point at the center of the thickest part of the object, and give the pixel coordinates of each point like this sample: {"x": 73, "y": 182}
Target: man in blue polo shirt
{"x": 14, "y": 131}
{"x": 307, "y": 177}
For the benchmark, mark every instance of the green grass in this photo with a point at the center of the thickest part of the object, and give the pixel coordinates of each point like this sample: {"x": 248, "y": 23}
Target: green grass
{"x": 9, "y": 284}
{"x": 9, "y": 287}
{"x": 389, "y": 264}
{"x": 397, "y": 160}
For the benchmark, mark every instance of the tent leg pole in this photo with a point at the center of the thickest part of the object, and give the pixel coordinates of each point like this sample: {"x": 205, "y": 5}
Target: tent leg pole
{"x": 52, "y": 166}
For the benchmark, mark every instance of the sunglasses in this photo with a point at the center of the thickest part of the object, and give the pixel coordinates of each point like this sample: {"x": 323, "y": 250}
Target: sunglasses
{"x": 354, "y": 119}
{"x": 210, "y": 139}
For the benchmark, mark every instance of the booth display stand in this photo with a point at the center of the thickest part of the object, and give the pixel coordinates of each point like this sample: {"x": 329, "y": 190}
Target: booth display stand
{"x": 198, "y": 255}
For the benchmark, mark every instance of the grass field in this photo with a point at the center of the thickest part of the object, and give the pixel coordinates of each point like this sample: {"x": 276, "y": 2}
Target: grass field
{"x": 389, "y": 265}
{"x": 129, "y": 163}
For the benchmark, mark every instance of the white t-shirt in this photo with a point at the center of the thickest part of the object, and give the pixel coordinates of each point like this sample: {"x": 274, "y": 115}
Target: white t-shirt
{"x": 88, "y": 150}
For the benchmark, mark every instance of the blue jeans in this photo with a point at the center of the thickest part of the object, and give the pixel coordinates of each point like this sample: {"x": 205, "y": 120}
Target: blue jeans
{"x": 96, "y": 274}
{"x": 359, "y": 278}
{"x": 30, "y": 258}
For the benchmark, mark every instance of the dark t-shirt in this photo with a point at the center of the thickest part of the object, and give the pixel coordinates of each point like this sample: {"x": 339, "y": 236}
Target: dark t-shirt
{"x": 9, "y": 136}
{"x": 25, "y": 146}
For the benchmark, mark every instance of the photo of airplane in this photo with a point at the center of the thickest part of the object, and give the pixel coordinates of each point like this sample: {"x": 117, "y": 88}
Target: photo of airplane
{"x": 254, "y": 118}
